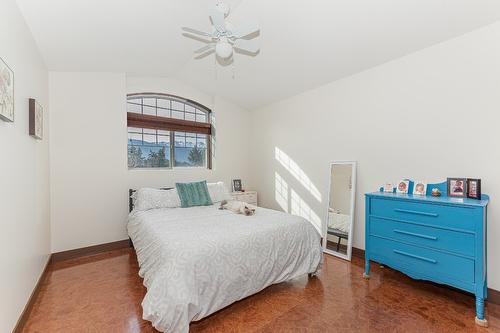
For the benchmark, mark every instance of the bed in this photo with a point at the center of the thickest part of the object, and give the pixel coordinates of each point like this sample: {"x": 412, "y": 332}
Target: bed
{"x": 196, "y": 261}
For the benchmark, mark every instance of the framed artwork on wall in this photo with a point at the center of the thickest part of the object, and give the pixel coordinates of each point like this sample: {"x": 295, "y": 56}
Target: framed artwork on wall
{"x": 35, "y": 119}
{"x": 6, "y": 92}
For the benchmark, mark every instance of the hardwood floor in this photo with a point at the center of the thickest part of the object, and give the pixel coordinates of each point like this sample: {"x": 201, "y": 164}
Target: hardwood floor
{"x": 103, "y": 293}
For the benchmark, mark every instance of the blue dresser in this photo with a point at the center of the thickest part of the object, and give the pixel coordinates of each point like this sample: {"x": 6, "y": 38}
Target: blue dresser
{"x": 440, "y": 239}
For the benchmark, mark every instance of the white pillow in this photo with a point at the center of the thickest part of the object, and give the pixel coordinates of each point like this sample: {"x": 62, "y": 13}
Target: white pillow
{"x": 218, "y": 192}
{"x": 151, "y": 198}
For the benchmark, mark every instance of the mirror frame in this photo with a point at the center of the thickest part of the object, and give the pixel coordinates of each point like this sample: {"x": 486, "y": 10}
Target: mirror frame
{"x": 348, "y": 255}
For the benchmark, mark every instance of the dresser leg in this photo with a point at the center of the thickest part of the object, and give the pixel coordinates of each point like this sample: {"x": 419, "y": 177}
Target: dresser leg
{"x": 366, "y": 274}
{"x": 480, "y": 320}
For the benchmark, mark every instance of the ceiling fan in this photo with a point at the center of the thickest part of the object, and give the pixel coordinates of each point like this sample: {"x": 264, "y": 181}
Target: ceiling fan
{"x": 225, "y": 38}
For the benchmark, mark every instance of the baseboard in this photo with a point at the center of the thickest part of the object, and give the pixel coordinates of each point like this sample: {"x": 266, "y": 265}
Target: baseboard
{"x": 359, "y": 253}
{"x": 493, "y": 295}
{"x": 90, "y": 250}
{"x": 21, "y": 322}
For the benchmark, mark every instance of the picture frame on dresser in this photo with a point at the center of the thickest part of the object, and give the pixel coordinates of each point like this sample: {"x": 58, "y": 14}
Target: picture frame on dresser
{"x": 474, "y": 188}
{"x": 457, "y": 187}
{"x": 438, "y": 239}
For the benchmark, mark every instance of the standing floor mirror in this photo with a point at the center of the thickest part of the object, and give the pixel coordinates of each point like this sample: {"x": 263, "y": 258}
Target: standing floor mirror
{"x": 340, "y": 215}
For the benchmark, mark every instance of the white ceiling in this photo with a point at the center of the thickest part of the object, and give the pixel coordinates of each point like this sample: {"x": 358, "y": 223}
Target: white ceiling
{"x": 304, "y": 43}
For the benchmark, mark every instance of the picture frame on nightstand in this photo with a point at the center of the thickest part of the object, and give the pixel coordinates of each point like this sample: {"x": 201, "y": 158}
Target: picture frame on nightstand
{"x": 237, "y": 187}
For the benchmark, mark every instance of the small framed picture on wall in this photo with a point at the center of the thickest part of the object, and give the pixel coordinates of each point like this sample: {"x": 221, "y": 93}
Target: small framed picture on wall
{"x": 237, "y": 185}
{"x": 474, "y": 188}
{"x": 457, "y": 187}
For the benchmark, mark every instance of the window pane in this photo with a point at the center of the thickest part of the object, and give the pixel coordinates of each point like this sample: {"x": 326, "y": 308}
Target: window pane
{"x": 150, "y": 156}
{"x": 190, "y": 142}
{"x": 149, "y": 131}
{"x": 148, "y": 153}
{"x": 134, "y": 130}
{"x": 133, "y": 108}
{"x": 135, "y": 139}
{"x": 180, "y": 140}
{"x": 163, "y": 103}
{"x": 201, "y": 140}
{"x": 135, "y": 100}
{"x": 202, "y": 118}
{"x": 190, "y": 157}
{"x": 149, "y": 101}
{"x": 188, "y": 152}
{"x": 149, "y": 110}
{"x": 149, "y": 139}
{"x": 164, "y": 113}
{"x": 189, "y": 108}
{"x": 177, "y": 106}
{"x": 160, "y": 132}
{"x": 177, "y": 115}
{"x": 190, "y": 116}
{"x": 164, "y": 140}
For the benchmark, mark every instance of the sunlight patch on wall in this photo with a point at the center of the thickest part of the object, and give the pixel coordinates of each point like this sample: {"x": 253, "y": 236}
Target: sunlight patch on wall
{"x": 281, "y": 191}
{"x": 299, "y": 174}
{"x": 301, "y": 208}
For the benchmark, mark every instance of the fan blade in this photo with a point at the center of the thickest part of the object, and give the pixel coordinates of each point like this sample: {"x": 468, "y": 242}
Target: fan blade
{"x": 205, "y": 48}
{"x": 197, "y": 38}
{"x": 218, "y": 21}
{"x": 203, "y": 55}
{"x": 196, "y": 32}
{"x": 250, "y": 46}
{"x": 246, "y": 30}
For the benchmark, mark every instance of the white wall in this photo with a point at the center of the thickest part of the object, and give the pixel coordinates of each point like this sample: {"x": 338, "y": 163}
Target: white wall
{"x": 429, "y": 115}
{"x": 89, "y": 174}
{"x": 24, "y": 172}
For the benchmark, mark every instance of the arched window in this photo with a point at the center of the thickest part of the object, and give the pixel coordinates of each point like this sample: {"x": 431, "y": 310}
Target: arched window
{"x": 166, "y": 131}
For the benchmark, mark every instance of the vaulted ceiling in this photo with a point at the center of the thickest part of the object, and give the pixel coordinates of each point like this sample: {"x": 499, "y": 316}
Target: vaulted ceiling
{"x": 303, "y": 43}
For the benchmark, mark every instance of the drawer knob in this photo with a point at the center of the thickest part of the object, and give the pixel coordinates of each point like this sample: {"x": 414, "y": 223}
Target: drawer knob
{"x": 432, "y": 261}
{"x": 414, "y": 234}
{"x": 415, "y": 212}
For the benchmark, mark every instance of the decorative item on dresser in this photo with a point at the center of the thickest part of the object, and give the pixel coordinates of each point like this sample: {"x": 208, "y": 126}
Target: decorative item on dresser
{"x": 440, "y": 239}
{"x": 247, "y": 196}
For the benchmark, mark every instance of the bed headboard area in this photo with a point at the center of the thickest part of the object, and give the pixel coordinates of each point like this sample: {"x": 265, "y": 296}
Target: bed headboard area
{"x": 131, "y": 201}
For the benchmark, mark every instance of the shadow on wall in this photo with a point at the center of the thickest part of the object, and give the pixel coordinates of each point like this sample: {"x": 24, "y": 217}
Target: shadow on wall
{"x": 288, "y": 198}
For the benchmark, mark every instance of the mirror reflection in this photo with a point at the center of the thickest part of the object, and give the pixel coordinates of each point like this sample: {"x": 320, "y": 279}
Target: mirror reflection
{"x": 340, "y": 209}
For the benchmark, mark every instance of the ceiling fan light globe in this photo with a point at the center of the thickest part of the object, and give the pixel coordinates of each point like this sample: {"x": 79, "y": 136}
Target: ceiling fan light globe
{"x": 224, "y": 50}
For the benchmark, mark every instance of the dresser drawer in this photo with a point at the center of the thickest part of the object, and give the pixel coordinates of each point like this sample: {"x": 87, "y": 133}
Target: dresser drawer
{"x": 433, "y": 264}
{"x": 455, "y": 217}
{"x": 452, "y": 241}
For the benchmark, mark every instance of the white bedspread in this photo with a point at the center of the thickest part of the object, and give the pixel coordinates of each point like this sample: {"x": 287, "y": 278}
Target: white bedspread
{"x": 339, "y": 221}
{"x": 196, "y": 261}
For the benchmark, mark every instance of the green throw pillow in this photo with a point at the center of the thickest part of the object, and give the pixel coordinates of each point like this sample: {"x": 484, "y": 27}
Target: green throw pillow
{"x": 193, "y": 194}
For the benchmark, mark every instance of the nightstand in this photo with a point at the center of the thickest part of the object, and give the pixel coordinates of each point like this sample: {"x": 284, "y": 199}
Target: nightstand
{"x": 247, "y": 196}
